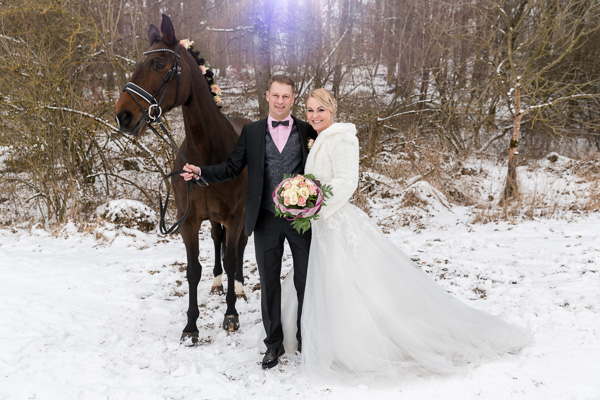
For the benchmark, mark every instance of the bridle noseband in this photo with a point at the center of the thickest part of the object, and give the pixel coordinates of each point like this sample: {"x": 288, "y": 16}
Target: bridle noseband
{"x": 136, "y": 91}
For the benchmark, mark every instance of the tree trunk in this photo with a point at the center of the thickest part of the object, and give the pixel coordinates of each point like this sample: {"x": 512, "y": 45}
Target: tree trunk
{"x": 392, "y": 35}
{"x": 262, "y": 53}
{"x": 511, "y": 190}
{"x": 344, "y": 52}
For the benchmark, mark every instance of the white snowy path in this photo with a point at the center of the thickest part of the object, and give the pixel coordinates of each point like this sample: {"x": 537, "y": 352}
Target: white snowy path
{"x": 89, "y": 318}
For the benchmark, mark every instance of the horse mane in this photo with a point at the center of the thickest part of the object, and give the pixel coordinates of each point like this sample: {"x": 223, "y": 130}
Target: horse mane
{"x": 208, "y": 75}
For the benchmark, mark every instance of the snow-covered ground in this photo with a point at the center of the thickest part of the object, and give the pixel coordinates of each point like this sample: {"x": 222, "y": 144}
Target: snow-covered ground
{"x": 97, "y": 313}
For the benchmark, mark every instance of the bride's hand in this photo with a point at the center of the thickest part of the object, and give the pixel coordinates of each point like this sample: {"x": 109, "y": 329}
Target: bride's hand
{"x": 191, "y": 171}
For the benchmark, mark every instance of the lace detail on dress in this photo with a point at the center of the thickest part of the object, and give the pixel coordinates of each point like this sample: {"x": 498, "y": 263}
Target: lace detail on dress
{"x": 334, "y": 222}
{"x": 318, "y": 234}
{"x": 342, "y": 224}
{"x": 352, "y": 240}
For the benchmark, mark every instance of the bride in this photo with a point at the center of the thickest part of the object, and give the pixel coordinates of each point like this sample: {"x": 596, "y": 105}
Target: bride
{"x": 369, "y": 311}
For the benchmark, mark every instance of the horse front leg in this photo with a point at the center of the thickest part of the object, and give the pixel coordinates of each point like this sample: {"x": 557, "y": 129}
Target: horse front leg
{"x": 231, "y": 321}
{"x": 194, "y": 273}
{"x": 217, "y": 233}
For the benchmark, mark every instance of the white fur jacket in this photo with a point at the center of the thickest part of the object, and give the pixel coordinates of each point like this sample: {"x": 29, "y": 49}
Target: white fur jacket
{"x": 333, "y": 159}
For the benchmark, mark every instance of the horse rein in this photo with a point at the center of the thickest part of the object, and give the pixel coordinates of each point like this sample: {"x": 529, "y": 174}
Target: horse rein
{"x": 155, "y": 107}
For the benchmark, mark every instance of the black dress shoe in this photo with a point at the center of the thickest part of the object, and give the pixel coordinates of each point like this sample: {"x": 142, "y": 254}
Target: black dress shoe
{"x": 272, "y": 357}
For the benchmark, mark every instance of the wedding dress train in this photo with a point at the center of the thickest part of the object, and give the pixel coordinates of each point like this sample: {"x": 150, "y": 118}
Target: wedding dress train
{"x": 369, "y": 311}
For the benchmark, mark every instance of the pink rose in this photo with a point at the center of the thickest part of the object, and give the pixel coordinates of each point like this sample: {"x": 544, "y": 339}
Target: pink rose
{"x": 186, "y": 43}
{"x": 203, "y": 69}
{"x": 301, "y": 201}
{"x": 286, "y": 201}
{"x": 215, "y": 89}
{"x": 287, "y": 185}
{"x": 312, "y": 189}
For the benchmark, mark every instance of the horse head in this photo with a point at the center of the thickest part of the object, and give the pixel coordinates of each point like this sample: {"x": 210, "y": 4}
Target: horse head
{"x": 160, "y": 81}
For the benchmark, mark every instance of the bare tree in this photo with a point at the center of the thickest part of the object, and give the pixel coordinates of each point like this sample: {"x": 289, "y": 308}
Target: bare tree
{"x": 454, "y": 76}
{"x": 536, "y": 37}
{"x": 262, "y": 47}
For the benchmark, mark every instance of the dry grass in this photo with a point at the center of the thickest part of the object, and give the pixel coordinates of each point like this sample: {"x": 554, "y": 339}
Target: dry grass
{"x": 555, "y": 187}
{"x": 548, "y": 190}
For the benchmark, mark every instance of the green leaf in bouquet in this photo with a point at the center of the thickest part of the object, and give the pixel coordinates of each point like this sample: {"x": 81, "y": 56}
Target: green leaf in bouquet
{"x": 301, "y": 225}
{"x": 278, "y": 212}
{"x": 327, "y": 192}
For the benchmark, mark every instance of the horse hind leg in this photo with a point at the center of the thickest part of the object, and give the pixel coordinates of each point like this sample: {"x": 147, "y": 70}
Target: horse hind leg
{"x": 217, "y": 232}
{"x": 239, "y": 272}
{"x": 217, "y": 285}
{"x": 239, "y": 290}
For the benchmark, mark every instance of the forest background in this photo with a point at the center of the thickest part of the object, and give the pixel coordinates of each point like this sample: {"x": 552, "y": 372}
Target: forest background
{"x": 429, "y": 84}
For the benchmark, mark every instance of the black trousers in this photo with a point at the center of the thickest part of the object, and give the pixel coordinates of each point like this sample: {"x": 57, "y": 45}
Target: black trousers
{"x": 270, "y": 233}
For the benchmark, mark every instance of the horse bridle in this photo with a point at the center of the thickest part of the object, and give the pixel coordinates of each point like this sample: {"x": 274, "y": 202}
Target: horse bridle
{"x": 134, "y": 89}
{"x": 155, "y": 106}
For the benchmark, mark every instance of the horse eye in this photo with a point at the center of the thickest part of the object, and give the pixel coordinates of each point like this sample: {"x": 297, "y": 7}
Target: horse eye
{"x": 158, "y": 66}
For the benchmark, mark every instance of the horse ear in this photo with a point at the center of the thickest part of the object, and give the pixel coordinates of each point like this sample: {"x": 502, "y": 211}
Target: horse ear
{"x": 153, "y": 34}
{"x": 168, "y": 31}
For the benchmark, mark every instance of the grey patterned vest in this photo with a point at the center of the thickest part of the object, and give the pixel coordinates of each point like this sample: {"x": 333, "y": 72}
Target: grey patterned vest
{"x": 289, "y": 161}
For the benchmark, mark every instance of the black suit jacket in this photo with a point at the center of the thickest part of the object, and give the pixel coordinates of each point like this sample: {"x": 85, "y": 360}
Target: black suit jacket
{"x": 250, "y": 150}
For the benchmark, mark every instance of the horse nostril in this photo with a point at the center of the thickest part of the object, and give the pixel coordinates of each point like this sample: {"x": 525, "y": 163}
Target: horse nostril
{"x": 124, "y": 118}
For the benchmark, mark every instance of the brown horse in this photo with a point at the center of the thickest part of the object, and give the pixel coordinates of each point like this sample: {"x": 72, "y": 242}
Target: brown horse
{"x": 172, "y": 74}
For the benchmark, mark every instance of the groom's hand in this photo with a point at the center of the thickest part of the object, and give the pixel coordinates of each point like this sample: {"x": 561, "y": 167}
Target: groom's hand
{"x": 191, "y": 172}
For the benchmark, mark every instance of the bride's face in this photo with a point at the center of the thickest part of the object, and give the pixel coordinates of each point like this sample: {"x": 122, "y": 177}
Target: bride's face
{"x": 318, "y": 117}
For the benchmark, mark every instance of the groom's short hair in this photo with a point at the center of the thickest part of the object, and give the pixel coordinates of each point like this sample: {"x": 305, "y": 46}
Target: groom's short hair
{"x": 283, "y": 79}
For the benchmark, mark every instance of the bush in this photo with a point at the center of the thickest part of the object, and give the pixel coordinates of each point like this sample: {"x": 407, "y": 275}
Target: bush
{"x": 128, "y": 213}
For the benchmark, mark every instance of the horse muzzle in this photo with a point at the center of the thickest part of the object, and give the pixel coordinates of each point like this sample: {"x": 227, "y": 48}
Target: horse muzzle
{"x": 127, "y": 125}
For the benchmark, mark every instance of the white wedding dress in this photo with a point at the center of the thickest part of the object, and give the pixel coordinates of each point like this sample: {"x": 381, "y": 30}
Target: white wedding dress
{"x": 369, "y": 311}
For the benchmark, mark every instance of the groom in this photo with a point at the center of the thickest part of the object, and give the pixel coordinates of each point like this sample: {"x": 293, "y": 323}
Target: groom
{"x": 270, "y": 148}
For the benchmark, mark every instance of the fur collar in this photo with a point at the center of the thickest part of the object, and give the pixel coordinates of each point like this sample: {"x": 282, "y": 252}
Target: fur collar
{"x": 336, "y": 130}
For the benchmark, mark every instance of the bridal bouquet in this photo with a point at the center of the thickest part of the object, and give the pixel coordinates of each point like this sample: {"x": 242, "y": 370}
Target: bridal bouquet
{"x": 299, "y": 198}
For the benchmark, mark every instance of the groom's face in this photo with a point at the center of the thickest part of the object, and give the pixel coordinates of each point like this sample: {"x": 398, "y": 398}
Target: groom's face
{"x": 280, "y": 97}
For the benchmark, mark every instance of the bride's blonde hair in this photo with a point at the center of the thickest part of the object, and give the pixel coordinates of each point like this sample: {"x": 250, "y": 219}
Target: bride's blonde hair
{"x": 326, "y": 99}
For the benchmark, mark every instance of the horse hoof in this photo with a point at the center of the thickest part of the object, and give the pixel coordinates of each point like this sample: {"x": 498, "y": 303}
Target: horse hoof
{"x": 189, "y": 339}
{"x": 217, "y": 290}
{"x": 231, "y": 323}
